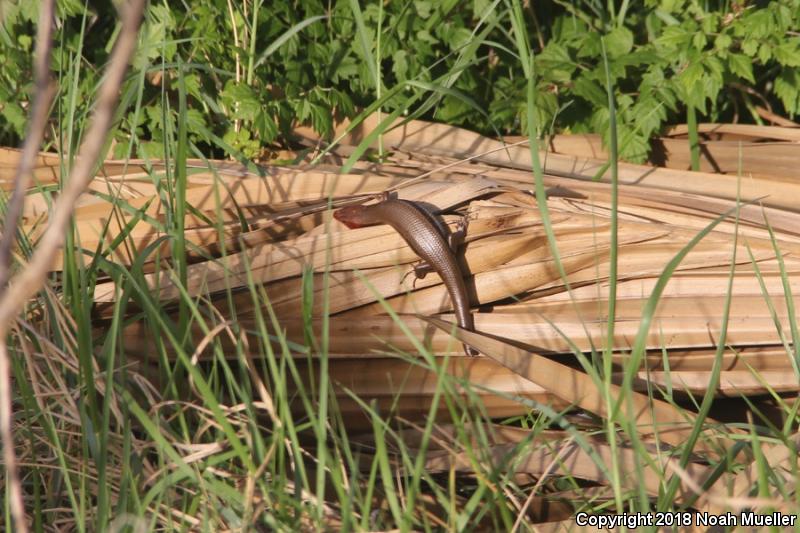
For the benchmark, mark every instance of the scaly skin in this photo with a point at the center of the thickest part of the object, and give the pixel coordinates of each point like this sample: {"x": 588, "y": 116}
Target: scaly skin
{"x": 419, "y": 230}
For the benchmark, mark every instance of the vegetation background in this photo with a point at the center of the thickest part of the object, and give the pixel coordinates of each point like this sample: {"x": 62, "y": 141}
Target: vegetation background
{"x": 231, "y": 79}
{"x": 254, "y": 68}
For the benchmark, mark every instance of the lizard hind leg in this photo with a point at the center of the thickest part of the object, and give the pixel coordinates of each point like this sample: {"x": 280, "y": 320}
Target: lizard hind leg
{"x": 420, "y": 270}
{"x": 457, "y": 237}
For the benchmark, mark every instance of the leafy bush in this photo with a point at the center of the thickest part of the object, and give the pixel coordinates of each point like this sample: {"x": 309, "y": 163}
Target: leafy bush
{"x": 252, "y": 69}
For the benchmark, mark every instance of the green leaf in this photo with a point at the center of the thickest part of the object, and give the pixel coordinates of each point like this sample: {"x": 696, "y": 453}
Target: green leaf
{"x": 714, "y": 66}
{"x": 674, "y": 37}
{"x": 555, "y": 64}
{"x": 750, "y": 47}
{"x": 699, "y": 40}
{"x": 723, "y": 42}
{"x": 765, "y": 52}
{"x": 193, "y": 86}
{"x": 400, "y": 64}
{"x": 590, "y": 90}
{"x": 195, "y": 121}
{"x": 710, "y": 23}
{"x": 14, "y": 114}
{"x": 156, "y": 33}
{"x": 787, "y": 88}
{"x": 265, "y": 125}
{"x": 633, "y": 145}
{"x": 619, "y": 41}
{"x": 151, "y": 150}
{"x": 741, "y": 66}
{"x": 241, "y": 99}
{"x": 712, "y": 85}
{"x": 456, "y": 37}
{"x": 590, "y": 45}
{"x": 759, "y": 23}
{"x": 691, "y": 75}
{"x": 788, "y": 53}
{"x": 648, "y": 114}
{"x": 642, "y": 56}
{"x": 24, "y": 42}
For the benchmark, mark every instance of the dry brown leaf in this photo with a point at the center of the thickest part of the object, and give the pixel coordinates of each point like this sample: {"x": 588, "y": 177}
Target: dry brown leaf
{"x": 575, "y": 387}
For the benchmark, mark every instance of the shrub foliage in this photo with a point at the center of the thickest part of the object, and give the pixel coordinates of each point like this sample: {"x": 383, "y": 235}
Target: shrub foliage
{"x": 252, "y": 69}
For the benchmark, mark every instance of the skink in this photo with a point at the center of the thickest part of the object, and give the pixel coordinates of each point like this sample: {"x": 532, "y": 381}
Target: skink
{"x": 418, "y": 228}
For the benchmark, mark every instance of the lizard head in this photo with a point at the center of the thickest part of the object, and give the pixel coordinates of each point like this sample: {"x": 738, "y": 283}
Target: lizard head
{"x": 353, "y": 216}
